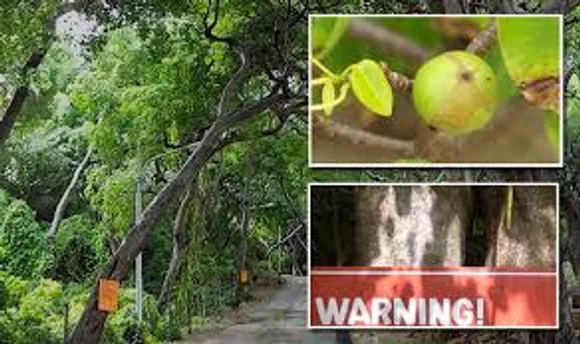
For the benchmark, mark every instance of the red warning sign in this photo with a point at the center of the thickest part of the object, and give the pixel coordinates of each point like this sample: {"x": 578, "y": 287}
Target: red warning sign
{"x": 459, "y": 297}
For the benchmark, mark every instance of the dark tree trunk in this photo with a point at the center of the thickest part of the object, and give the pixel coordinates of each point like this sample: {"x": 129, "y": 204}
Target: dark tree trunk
{"x": 17, "y": 102}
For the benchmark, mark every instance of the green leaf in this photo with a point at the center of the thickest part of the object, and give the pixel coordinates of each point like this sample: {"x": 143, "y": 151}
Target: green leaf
{"x": 371, "y": 88}
{"x": 328, "y": 96}
{"x": 327, "y": 31}
{"x": 552, "y": 127}
{"x": 530, "y": 48}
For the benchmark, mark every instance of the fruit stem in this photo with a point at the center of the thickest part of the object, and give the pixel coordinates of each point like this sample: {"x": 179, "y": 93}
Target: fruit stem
{"x": 398, "y": 81}
{"x": 324, "y": 69}
{"x": 484, "y": 40}
{"x": 340, "y": 99}
{"x": 320, "y": 81}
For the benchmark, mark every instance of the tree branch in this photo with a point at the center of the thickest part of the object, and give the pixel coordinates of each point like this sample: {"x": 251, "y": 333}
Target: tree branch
{"x": 454, "y": 6}
{"x": 286, "y": 238}
{"x": 208, "y": 27}
{"x": 17, "y": 102}
{"x": 387, "y": 39}
{"x": 434, "y": 6}
{"x": 484, "y": 40}
{"x": 506, "y": 6}
{"x": 333, "y": 129}
{"x": 91, "y": 323}
{"x": 236, "y": 81}
{"x": 65, "y": 199}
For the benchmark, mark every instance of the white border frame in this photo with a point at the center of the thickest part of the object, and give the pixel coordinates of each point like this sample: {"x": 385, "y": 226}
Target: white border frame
{"x": 411, "y": 328}
{"x": 313, "y": 164}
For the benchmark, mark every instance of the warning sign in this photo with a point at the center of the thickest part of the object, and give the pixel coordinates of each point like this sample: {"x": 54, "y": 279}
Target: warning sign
{"x": 108, "y": 295}
{"x": 462, "y": 297}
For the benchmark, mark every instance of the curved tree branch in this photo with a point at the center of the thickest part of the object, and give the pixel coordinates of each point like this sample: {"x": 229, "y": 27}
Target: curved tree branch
{"x": 209, "y": 27}
{"x": 236, "y": 81}
{"x": 65, "y": 199}
{"x": 387, "y": 39}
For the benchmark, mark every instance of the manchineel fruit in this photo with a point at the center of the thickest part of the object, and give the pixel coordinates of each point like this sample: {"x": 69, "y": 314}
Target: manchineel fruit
{"x": 455, "y": 92}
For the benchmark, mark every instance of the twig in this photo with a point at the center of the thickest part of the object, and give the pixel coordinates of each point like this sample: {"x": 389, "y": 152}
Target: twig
{"x": 398, "y": 81}
{"x": 387, "y": 39}
{"x": 484, "y": 40}
{"x": 288, "y": 237}
{"x": 333, "y": 129}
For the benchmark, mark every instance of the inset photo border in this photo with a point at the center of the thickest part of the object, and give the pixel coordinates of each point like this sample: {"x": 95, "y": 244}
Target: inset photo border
{"x": 422, "y": 240}
{"x": 366, "y": 111}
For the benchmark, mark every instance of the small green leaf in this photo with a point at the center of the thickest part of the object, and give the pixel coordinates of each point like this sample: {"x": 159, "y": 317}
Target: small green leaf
{"x": 371, "y": 88}
{"x": 328, "y": 96}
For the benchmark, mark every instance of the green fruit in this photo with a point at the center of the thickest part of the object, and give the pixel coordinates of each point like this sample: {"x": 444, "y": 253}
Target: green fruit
{"x": 455, "y": 92}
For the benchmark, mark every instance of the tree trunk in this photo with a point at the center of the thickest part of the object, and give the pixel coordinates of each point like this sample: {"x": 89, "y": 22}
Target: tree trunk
{"x": 412, "y": 225}
{"x": 530, "y": 240}
{"x": 179, "y": 244}
{"x": 65, "y": 199}
{"x": 91, "y": 323}
{"x": 17, "y": 102}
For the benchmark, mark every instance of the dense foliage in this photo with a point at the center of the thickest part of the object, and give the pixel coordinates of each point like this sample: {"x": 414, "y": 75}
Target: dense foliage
{"x": 138, "y": 84}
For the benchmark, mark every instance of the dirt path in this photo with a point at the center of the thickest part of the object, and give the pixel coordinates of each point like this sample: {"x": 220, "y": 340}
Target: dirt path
{"x": 282, "y": 319}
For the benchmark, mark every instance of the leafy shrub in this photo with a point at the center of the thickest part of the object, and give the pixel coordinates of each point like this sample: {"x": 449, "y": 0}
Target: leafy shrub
{"x": 34, "y": 314}
{"x": 78, "y": 250}
{"x": 121, "y": 325}
{"x": 23, "y": 246}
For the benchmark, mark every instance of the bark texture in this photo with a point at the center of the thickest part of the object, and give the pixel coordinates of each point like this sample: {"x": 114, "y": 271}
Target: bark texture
{"x": 530, "y": 241}
{"x": 412, "y": 226}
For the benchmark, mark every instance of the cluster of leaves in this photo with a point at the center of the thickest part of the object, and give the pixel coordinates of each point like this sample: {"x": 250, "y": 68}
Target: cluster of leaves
{"x": 23, "y": 250}
{"x": 33, "y": 311}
